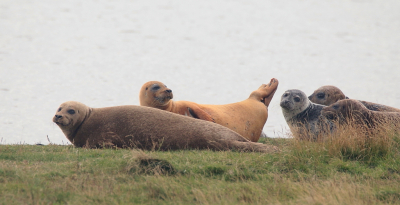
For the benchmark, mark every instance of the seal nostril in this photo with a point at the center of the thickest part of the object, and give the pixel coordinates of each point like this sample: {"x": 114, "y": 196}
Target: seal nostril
{"x": 168, "y": 91}
{"x": 58, "y": 116}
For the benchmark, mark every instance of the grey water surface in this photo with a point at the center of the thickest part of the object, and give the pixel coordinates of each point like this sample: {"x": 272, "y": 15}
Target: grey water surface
{"x": 100, "y": 52}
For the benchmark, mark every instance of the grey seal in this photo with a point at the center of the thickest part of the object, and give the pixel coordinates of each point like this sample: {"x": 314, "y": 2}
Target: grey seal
{"x": 304, "y": 117}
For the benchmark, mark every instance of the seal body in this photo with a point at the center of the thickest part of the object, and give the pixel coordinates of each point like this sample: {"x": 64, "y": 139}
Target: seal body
{"x": 327, "y": 95}
{"x": 304, "y": 117}
{"x": 354, "y": 112}
{"x": 246, "y": 117}
{"x": 145, "y": 128}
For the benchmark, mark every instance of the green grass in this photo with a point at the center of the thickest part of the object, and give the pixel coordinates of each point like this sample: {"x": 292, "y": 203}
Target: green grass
{"x": 302, "y": 173}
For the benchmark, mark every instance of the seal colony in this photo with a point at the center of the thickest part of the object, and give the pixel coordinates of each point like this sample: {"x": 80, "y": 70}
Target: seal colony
{"x": 146, "y": 128}
{"x": 246, "y": 117}
{"x": 329, "y": 94}
{"x": 303, "y": 116}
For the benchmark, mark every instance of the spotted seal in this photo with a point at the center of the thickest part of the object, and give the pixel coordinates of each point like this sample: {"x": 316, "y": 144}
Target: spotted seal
{"x": 304, "y": 117}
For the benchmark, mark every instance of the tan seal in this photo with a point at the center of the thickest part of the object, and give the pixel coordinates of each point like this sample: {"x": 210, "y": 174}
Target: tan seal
{"x": 329, "y": 94}
{"x": 146, "y": 128}
{"x": 350, "y": 111}
{"x": 246, "y": 117}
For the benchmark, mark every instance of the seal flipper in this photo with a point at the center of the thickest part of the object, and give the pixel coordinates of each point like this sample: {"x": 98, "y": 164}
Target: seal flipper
{"x": 200, "y": 114}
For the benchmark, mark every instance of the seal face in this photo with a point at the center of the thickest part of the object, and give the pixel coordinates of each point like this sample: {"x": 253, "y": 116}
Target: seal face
{"x": 329, "y": 94}
{"x": 246, "y": 117}
{"x": 146, "y": 128}
{"x": 326, "y": 95}
{"x": 69, "y": 116}
{"x": 155, "y": 94}
{"x": 304, "y": 117}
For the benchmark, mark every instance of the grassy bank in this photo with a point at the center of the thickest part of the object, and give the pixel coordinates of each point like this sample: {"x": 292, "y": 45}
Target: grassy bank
{"x": 303, "y": 173}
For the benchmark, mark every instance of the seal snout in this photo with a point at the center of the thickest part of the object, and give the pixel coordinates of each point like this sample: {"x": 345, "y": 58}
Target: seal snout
{"x": 285, "y": 104}
{"x": 168, "y": 91}
{"x": 58, "y": 116}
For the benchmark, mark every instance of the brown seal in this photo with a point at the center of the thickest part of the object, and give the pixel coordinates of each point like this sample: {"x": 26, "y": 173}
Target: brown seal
{"x": 146, "y": 128}
{"x": 350, "y": 111}
{"x": 246, "y": 117}
{"x": 329, "y": 94}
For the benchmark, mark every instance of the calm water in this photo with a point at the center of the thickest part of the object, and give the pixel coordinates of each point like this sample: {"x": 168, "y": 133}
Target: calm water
{"x": 212, "y": 52}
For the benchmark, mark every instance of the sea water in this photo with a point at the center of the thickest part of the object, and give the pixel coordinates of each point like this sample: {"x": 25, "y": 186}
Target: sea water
{"x": 100, "y": 52}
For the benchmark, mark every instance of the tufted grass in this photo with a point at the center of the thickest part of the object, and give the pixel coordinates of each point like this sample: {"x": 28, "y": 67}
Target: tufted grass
{"x": 335, "y": 171}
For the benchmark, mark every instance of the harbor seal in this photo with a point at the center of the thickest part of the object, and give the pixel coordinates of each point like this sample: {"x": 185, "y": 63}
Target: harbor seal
{"x": 246, "y": 117}
{"x": 146, "y": 128}
{"x": 349, "y": 111}
{"x": 329, "y": 94}
{"x": 304, "y": 117}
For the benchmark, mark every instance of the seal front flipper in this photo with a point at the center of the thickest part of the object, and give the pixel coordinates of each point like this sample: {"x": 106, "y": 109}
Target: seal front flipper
{"x": 198, "y": 113}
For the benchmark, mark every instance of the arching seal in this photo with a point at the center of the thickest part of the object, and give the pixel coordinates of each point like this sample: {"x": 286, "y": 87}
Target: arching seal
{"x": 350, "y": 111}
{"x": 145, "y": 128}
{"x": 304, "y": 117}
{"x": 329, "y": 94}
{"x": 246, "y": 117}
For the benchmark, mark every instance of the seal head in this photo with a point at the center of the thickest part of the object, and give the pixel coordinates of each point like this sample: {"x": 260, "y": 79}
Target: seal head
{"x": 69, "y": 117}
{"x": 327, "y": 95}
{"x": 304, "y": 117}
{"x": 155, "y": 94}
{"x": 293, "y": 102}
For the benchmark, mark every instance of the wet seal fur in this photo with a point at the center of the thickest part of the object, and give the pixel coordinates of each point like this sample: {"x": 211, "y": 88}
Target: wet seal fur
{"x": 246, "y": 117}
{"x": 329, "y": 94}
{"x": 146, "y": 128}
{"x": 349, "y": 111}
{"x": 304, "y": 117}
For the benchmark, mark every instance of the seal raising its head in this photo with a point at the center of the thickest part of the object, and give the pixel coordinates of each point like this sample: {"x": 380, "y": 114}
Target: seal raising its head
{"x": 155, "y": 94}
{"x": 302, "y": 116}
{"x": 246, "y": 117}
{"x": 145, "y": 128}
{"x": 328, "y": 94}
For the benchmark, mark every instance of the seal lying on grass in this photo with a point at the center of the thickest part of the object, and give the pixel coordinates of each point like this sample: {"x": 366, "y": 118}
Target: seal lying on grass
{"x": 246, "y": 117}
{"x": 350, "y": 111}
{"x": 304, "y": 117}
{"x": 146, "y": 128}
{"x": 327, "y": 95}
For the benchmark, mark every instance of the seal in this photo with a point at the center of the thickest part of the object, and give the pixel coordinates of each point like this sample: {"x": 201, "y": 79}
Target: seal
{"x": 353, "y": 112}
{"x": 247, "y": 117}
{"x": 304, "y": 117}
{"x": 329, "y": 94}
{"x": 146, "y": 128}
{"x": 156, "y": 94}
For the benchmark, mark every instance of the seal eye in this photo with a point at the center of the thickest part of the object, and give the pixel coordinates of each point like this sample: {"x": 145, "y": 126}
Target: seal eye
{"x": 296, "y": 99}
{"x": 155, "y": 87}
{"x": 59, "y": 109}
{"x": 71, "y": 112}
{"x": 320, "y": 95}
